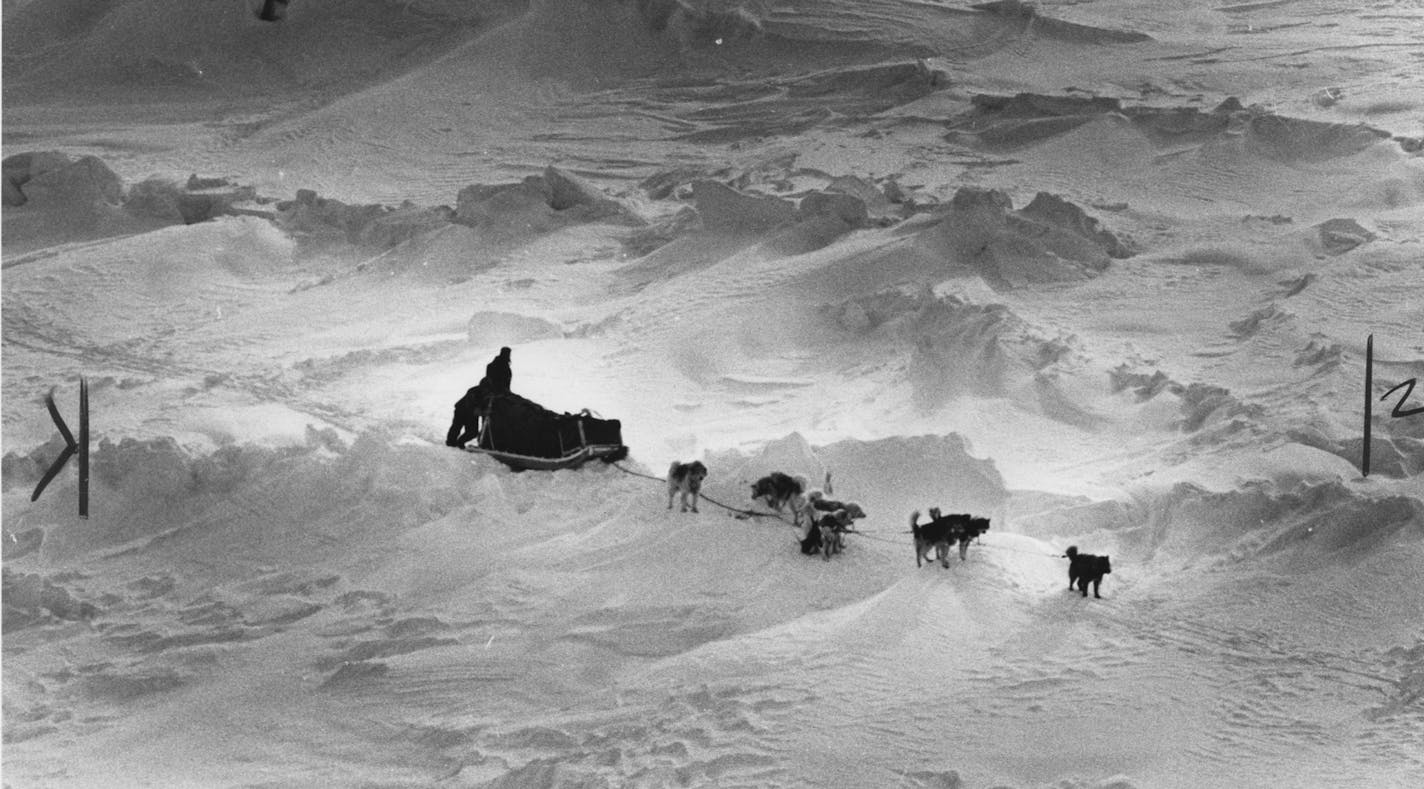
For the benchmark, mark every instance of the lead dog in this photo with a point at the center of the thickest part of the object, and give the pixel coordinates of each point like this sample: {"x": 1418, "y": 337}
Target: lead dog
{"x": 1086, "y": 568}
{"x": 685, "y": 478}
{"x": 967, "y": 529}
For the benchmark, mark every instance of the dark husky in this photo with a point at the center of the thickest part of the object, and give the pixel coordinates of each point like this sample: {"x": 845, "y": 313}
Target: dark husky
{"x": 826, "y": 535}
{"x": 944, "y": 531}
{"x": 833, "y": 526}
{"x": 969, "y": 531}
{"x": 779, "y": 491}
{"x": 1085, "y": 568}
{"x": 935, "y": 534}
{"x": 818, "y": 502}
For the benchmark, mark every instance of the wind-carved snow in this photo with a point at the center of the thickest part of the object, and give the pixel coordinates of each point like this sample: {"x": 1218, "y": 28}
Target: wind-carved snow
{"x": 1103, "y": 274}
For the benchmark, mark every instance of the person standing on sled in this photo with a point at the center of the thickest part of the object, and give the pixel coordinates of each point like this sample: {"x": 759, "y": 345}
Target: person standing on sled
{"x": 469, "y": 409}
{"x": 498, "y": 374}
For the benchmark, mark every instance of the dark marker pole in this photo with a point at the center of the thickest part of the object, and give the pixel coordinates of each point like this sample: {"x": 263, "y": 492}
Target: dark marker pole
{"x": 1369, "y": 401}
{"x": 83, "y": 448}
{"x": 71, "y": 447}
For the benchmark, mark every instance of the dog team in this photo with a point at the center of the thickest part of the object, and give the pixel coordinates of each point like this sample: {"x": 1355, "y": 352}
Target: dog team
{"x": 827, "y": 522}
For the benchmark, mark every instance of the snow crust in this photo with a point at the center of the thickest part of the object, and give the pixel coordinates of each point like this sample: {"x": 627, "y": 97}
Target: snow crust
{"x": 1102, "y": 272}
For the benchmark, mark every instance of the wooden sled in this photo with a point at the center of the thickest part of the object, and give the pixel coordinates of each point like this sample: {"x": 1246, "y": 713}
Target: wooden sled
{"x": 524, "y": 435}
{"x": 609, "y": 453}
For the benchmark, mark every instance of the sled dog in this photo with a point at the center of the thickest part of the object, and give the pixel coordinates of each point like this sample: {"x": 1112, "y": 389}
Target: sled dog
{"x": 934, "y": 534}
{"x": 969, "y": 528}
{"x": 813, "y": 504}
{"x": 944, "y": 531}
{"x": 685, "y": 479}
{"x": 826, "y": 535}
{"x": 833, "y": 526}
{"x": 1086, "y": 568}
{"x": 780, "y": 491}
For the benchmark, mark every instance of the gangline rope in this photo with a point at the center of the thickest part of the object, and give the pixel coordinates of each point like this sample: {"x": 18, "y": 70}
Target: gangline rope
{"x": 747, "y": 512}
{"x": 703, "y": 496}
{"x": 869, "y": 535}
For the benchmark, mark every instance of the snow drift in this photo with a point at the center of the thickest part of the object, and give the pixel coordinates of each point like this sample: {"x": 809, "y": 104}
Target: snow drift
{"x": 1103, "y": 274}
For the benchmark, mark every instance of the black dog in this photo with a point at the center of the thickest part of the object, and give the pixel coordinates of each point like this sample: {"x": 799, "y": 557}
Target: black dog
{"x": 1085, "y": 568}
{"x": 970, "y": 527}
{"x": 814, "y": 541}
{"x": 826, "y": 535}
{"x": 779, "y": 490}
{"x": 833, "y": 527}
{"x": 944, "y": 531}
{"x": 935, "y": 534}
{"x": 820, "y": 504}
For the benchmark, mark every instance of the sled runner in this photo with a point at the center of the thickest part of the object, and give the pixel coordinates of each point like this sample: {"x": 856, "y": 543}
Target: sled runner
{"x": 606, "y": 453}
{"x": 524, "y": 435}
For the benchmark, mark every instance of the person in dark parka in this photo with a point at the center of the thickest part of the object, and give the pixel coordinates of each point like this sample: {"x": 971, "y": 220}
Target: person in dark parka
{"x": 498, "y": 373}
{"x": 465, "y": 426}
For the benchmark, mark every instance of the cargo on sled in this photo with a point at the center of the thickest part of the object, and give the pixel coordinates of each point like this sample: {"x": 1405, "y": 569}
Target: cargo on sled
{"x": 522, "y": 434}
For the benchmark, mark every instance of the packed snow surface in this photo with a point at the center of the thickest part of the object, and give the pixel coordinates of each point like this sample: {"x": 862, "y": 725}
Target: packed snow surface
{"x": 1105, "y": 272}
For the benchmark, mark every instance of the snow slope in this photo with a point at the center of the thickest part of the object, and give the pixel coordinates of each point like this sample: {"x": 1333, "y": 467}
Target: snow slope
{"x": 1101, "y": 271}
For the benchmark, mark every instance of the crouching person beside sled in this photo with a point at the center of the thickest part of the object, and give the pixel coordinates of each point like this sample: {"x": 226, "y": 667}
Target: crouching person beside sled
{"x": 469, "y": 412}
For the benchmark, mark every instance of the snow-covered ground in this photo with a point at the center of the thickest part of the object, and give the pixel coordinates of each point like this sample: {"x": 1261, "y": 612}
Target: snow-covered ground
{"x": 1103, "y": 271}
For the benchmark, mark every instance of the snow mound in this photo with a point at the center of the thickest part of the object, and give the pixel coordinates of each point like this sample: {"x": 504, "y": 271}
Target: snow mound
{"x": 894, "y": 476}
{"x": 1007, "y": 122}
{"x": 1046, "y": 241}
{"x": 31, "y": 599}
{"x": 319, "y": 221}
{"x": 52, "y": 179}
{"x": 539, "y": 204}
{"x": 888, "y": 477}
{"x": 725, "y": 222}
{"x": 1059, "y": 29}
{"x": 497, "y": 329}
{"x": 184, "y": 285}
{"x": 1296, "y": 141}
{"x": 790, "y": 454}
{"x": 1199, "y": 404}
{"x": 961, "y": 348}
{"x": 54, "y": 198}
{"x": 1305, "y": 525}
{"x": 190, "y": 202}
{"x": 1340, "y": 235}
{"x": 153, "y": 491}
{"x": 727, "y": 210}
